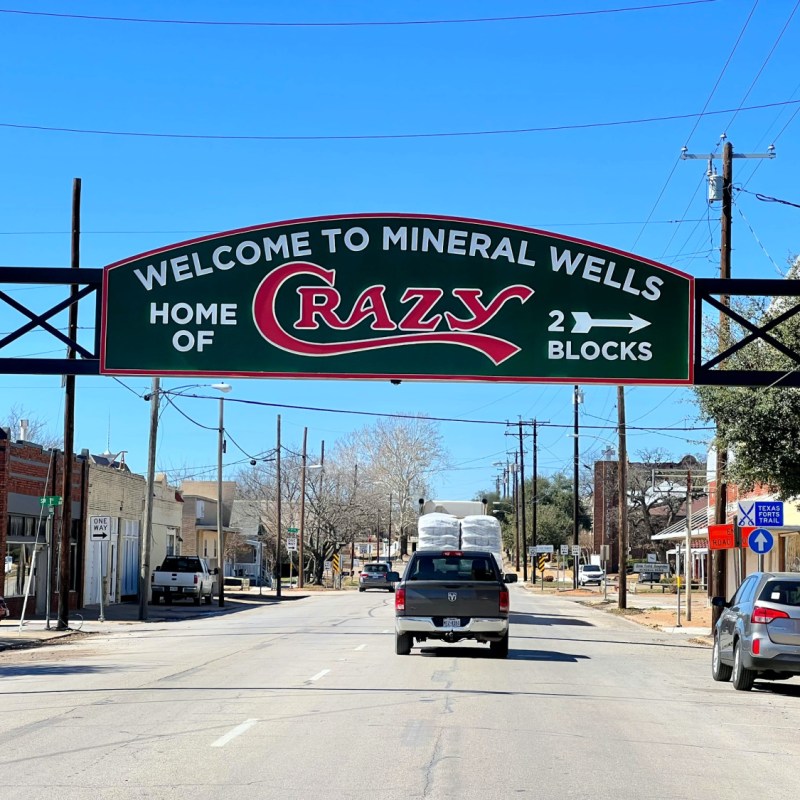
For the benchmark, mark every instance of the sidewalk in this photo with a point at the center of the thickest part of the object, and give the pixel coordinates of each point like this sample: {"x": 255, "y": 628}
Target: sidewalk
{"x": 119, "y": 615}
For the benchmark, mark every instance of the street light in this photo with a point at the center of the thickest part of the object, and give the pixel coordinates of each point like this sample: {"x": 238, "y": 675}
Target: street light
{"x": 224, "y": 388}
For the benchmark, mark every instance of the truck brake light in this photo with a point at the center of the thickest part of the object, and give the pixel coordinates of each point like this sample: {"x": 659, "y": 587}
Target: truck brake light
{"x": 195, "y": 578}
{"x": 400, "y": 600}
{"x": 504, "y": 600}
{"x": 452, "y": 553}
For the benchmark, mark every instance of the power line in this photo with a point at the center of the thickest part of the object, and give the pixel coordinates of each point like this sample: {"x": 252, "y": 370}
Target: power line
{"x": 386, "y": 415}
{"x": 697, "y": 122}
{"x": 354, "y": 23}
{"x": 571, "y": 224}
{"x": 381, "y": 136}
{"x": 766, "y": 60}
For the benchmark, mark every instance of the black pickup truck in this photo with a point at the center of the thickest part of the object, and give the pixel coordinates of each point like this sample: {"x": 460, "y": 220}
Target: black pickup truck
{"x": 452, "y": 595}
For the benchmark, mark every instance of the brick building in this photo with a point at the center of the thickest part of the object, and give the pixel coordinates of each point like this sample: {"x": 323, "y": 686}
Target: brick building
{"x": 27, "y": 473}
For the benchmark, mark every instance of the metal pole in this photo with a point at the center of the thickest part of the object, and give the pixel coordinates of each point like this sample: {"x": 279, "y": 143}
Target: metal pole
{"x": 389, "y": 539}
{"x": 302, "y": 510}
{"x": 220, "y": 531}
{"x": 678, "y": 578}
{"x": 535, "y": 498}
{"x": 278, "y": 513}
{"x": 102, "y": 617}
{"x": 689, "y": 562}
{"x": 146, "y": 533}
{"x": 49, "y": 581}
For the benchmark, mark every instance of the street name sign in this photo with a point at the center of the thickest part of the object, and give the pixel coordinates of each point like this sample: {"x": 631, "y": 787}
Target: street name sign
{"x": 720, "y": 537}
{"x": 291, "y": 530}
{"x": 761, "y": 513}
{"x": 397, "y": 296}
{"x": 99, "y": 528}
{"x": 50, "y": 502}
{"x": 760, "y": 541}
{"x": 543, "y": 548}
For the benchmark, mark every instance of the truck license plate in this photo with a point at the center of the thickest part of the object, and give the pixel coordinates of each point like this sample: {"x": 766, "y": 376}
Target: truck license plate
{"x": 452, "y": 622}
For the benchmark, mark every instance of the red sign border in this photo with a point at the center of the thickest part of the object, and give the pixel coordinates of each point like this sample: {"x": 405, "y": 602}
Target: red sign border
{"x": 389, "y": 376}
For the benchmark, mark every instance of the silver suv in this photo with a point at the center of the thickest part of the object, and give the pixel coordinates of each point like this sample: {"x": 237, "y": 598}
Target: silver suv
{"x": 375, "y": 575}
{"x": 758, "y": 634}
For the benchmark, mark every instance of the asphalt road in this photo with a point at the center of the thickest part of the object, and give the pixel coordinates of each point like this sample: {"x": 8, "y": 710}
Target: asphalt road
{"x": 307, "y": 699}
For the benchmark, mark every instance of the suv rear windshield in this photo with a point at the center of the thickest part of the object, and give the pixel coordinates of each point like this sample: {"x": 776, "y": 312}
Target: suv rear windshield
{"x": 452, "y": 568}
{"x": 376, "y": 567}
{"x": 591, "y": 568}
{"x": 786, "y": 592}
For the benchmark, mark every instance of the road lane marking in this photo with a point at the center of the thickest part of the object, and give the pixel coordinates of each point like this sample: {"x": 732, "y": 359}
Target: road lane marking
{"x": 232, "y": 734}
{"x": 319, "y": 675}
{"x": 360, "y": 647}
{"x": 386, "y": 631}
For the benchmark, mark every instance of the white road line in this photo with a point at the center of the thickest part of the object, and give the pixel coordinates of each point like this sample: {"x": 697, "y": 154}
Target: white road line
{"x": 232, "y": 734}
{"x": 318, "y": 675}
{"x": 386, "y": 631}
{"x": 360, "y": 647}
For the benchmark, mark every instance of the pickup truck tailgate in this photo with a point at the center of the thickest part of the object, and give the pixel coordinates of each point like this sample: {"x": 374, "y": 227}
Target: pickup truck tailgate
{"x": 462, "y": 598}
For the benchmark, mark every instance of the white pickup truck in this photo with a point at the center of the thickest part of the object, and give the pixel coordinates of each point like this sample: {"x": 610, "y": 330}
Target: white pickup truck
{"x": 183, "y": 576}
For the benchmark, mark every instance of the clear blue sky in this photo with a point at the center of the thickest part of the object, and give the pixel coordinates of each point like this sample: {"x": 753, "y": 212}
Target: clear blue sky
{"x": 597, "y": 183}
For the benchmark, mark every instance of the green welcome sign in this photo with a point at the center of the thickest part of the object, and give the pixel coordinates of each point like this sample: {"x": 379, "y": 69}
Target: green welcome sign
{"x": 401, "y": 297}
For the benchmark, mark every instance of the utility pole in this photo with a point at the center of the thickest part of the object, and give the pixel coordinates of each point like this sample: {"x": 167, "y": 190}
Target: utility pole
{"x": 576, "y": 400}
{"x": 515, "y": 494}
{"x": 147, "y": 527}
{"x": 278, "y": 513}
{"x": 535, "y": 498}
{"x": 69, "y": 420}
{"x": 522, "y": 504}
{"x": 623, "y": 499}
{"x": 724, "y": 192}
{"x": 300, "y": 569}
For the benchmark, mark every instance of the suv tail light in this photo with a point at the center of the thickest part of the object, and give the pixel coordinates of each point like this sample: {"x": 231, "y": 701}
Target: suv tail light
{"x": 764, "y": 615}
{"x": 504, "y": 602}
{"x": 365, "y": 574}
{"x": 400, "y": 600}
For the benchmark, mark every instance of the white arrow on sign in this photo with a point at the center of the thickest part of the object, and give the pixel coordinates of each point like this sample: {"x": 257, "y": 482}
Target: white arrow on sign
{"x": 760, "y": 540}
{"x": 584, "y": 322}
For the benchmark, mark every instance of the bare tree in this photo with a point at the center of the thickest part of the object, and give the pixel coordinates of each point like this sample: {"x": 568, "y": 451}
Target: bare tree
{"x": 38, "y": 430}
{"x": 397, "y": 458}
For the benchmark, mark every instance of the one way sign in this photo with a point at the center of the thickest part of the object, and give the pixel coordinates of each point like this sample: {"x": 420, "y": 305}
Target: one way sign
{"x": 99, "y": 528}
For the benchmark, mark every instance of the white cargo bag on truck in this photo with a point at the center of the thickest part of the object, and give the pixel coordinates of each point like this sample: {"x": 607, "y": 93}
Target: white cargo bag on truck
{"x": 482, "y": 532}
{"x": 438, "y": 532}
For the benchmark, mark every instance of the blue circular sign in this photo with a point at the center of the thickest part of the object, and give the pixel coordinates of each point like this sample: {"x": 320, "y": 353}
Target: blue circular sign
{"x": 760, "y": 541}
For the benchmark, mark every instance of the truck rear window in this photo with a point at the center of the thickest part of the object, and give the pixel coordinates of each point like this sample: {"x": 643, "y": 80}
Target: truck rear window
{"x": 451, "y": 568}
{"x": 178, "y": 564}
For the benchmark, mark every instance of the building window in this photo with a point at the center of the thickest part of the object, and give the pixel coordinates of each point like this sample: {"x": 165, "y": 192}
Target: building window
{"x": 170, "y": 544}
{"x": 17, "y": 566}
